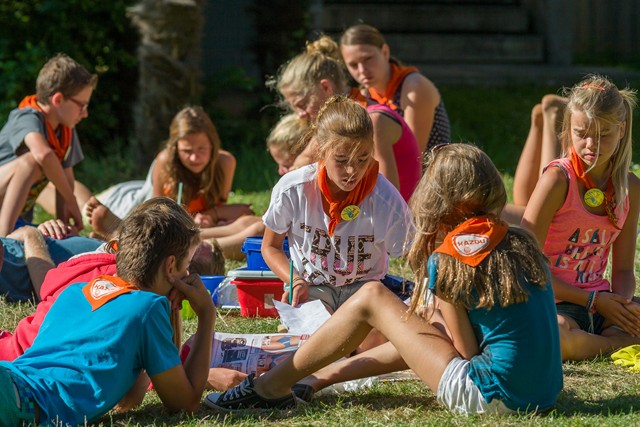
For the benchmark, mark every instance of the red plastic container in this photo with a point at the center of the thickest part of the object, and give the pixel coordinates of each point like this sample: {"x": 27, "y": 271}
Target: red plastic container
{"x": 256, "y": 296}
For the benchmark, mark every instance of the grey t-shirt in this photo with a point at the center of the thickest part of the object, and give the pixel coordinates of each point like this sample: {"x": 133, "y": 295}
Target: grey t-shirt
{"x": 23, "y": 121}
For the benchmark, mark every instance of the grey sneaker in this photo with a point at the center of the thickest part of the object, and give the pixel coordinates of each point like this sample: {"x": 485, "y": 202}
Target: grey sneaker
{"x": 244, "y": 397}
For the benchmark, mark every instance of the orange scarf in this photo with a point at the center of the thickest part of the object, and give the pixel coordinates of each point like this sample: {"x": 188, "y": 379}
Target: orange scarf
{"x": 103, "y": 289}
{"x": 354, "y": 198}
{"x": 398, "y": 74}
{"x": 60, "y": 146}
{"x": 473, "y": 240}
{"x": 195, "y": 205}
{"x": 587, "y": 181}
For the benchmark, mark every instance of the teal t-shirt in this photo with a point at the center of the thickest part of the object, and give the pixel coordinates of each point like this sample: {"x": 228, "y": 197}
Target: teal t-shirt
{"x": 83, "y": 362}
{"x": 519, "y": 361}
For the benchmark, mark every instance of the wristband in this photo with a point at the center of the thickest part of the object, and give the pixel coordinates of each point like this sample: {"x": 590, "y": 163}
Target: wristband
{"x": 591, "y": 302}
{"x": 592, "y": 309}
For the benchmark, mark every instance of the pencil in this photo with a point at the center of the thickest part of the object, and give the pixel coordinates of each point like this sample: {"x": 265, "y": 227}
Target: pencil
{"x": 290, "y": 282}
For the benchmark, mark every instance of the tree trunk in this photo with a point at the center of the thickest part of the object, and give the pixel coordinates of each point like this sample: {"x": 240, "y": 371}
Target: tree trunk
{"x": 169, "y": 57}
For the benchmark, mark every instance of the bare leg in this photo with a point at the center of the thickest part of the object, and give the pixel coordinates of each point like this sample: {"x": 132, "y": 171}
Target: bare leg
{"x": 541, "y": 146}
{"x": 528, "y": 169}
{"x": 25, "y": 173}
{"x": 577, "y": 344}
{"x": 47, "y": 199}
{"x": 231, "y": 237}
{"x": 424, "y": 349}
{"x": 103, "y": 221}
{"x": 553, "y": 107}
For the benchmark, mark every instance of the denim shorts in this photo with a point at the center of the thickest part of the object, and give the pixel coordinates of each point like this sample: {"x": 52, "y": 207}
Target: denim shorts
{"x": 593, "y": 324}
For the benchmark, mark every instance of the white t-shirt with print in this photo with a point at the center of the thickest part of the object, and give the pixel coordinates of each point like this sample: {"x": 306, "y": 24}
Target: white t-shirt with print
{"x": 358, "y": 250}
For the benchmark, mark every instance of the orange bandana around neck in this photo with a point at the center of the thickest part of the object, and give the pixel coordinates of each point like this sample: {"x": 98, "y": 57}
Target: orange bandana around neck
{"x": 473, "y": 240}
{"x": 398, "y": 73}
{"x": 587, "y": 181}
{"x": 353, "y": 199}
{"x": 60, "y": 146}
{"x": 103, "y": 289}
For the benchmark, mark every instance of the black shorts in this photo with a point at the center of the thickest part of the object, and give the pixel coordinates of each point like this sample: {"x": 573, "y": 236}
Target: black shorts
{"x": 592, "y": 324}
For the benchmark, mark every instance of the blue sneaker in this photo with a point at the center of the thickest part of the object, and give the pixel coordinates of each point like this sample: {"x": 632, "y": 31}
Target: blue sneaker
{"x": 244, "y": 397}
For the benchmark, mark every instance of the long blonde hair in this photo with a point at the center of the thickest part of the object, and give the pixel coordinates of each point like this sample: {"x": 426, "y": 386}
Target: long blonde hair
{"x": 460, "y": 182}
{"x": 210, "y": 182}
{"x": 302, "y": 74}
{"x": 603, "y": 103}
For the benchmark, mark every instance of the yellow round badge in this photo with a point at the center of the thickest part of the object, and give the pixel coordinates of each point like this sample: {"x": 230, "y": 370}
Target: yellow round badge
{"x": 350, "y": 212}
{"x": 594, "y": 197}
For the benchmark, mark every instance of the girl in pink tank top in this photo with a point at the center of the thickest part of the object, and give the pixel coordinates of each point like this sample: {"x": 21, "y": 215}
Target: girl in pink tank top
{"x": 584, "y": 207}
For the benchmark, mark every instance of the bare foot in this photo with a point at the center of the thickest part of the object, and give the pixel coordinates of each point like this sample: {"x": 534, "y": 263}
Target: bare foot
{"x": 103, "y": 221}
{"x": 553, "y": 109}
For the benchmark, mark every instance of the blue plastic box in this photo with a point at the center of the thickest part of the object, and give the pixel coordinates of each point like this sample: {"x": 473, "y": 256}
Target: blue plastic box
{"x": 251, "y": 248}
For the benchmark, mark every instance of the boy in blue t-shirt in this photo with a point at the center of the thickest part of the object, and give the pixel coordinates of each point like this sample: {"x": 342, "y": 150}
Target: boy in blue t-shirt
{"x": 99, "y": 338}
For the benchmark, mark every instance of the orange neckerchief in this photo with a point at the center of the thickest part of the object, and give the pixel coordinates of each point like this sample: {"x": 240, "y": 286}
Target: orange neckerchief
{"x": 587, "y": 181}
{"x": 195, "y": 205}
{"x": 357, "y": 96}
{"x": 104, "y": 288}
{"x": 398, "y": 73}
{"x": 60, "y": 146}
{"x": 473, "y": 240}
{"x": 355, "y": 196}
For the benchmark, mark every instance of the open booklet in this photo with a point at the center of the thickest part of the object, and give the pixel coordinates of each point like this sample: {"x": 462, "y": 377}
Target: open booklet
{"x": 250, "y": 353}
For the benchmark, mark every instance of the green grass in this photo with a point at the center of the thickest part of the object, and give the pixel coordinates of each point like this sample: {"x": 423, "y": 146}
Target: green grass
{"x": 497, "y": 119}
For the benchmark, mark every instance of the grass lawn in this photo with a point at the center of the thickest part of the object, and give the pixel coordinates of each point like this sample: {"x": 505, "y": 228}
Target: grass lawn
{"x": 595, "y": 392}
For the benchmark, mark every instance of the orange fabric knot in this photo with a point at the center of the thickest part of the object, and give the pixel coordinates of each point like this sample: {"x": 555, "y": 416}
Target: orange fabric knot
{"x": 398, "y": 74}
{"x": 59, "y": 145}
{"x": 473, "y": 240}
{"x": 104, "y": 288}
{"x": 355, "y": 196}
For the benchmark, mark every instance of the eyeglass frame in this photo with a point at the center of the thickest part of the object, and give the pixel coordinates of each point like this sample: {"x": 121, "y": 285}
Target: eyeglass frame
{"x": 84, "y": 106}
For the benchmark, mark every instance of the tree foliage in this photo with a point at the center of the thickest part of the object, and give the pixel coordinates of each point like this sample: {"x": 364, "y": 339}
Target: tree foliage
{"x": 97, "y": 34}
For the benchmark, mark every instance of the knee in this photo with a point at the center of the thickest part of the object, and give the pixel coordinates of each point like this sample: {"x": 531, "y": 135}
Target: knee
{"x": 27, "y": 167}
{"x": 536, "y": 114}
{"x": 369, "y": 294}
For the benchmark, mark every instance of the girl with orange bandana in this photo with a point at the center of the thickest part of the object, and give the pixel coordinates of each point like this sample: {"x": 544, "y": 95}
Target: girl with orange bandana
{"x": 387, "y": 82}
{"x": 343, "y": 219}
{"x": 584, "y": 207}
{"x": 493, "y": 291}
{"x": 194, "y": 169}
{"x": 310, "y": 78}
{"x": 39, "y": 144}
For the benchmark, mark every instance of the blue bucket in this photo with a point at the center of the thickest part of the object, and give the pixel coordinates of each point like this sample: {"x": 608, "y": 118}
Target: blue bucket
{"x": 212, "y": 283}
{"x": 252, "y": 248}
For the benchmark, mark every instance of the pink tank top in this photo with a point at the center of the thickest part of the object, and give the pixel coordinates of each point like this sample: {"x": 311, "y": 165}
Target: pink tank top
{"x": 405, "y": 151}
{"x": 578, "y": 241}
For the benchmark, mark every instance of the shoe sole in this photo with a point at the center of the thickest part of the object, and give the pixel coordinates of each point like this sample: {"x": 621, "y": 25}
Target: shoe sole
{"x": 209, "y": 402}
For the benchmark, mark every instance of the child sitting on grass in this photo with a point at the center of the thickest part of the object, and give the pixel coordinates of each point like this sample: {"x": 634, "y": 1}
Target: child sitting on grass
{"x": 585, "y": 206}
{"x": 39, "y": 143}
{"x": 502, "y": 354}
{"x": 98, "y": 338}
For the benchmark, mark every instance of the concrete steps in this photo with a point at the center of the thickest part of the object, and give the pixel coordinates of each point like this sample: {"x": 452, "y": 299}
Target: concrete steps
{"x": 444, "y": 31}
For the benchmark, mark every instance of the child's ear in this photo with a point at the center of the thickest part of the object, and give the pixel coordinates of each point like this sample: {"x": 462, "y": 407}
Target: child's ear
{"x": 56, "y": 99}
{"x": 170, "y": 266}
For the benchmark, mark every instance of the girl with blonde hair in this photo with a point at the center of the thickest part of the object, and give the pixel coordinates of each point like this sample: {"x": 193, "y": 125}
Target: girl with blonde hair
{"x": 311, "y": 77}
{"x": 494, "y": 294}
{"x": 585, "y": 206}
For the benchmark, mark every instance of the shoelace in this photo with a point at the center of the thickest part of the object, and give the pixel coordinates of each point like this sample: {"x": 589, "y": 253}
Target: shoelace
{"x": 241, "y": 390}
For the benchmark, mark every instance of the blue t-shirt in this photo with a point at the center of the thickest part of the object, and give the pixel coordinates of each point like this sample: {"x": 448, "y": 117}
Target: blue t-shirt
{"x": 519, "y": 361}
{"x": 83, "y": 362}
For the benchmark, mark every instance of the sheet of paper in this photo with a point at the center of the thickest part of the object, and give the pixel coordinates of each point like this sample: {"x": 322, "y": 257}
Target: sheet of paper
{"x": 303, "y": 319}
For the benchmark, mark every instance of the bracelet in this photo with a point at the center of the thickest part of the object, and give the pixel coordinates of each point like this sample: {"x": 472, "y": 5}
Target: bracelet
{"x": 591, "y": 302}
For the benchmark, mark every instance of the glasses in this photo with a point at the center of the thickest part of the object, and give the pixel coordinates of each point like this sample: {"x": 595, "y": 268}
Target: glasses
{"x": 84, "y": 106}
